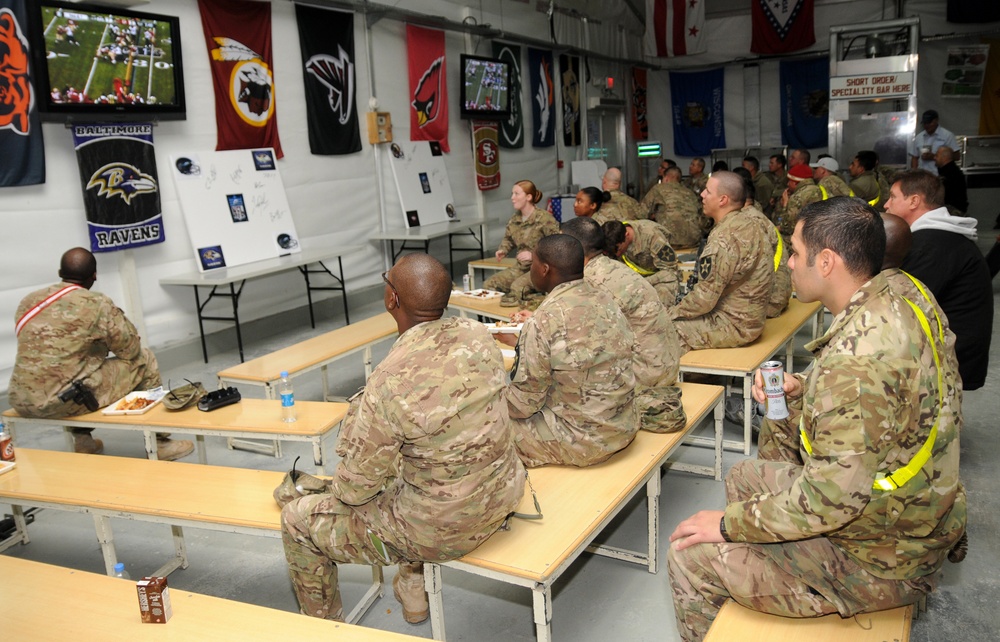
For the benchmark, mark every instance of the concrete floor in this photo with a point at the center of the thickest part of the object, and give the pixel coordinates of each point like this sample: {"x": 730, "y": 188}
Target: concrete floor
{"x": 597, "y": 599}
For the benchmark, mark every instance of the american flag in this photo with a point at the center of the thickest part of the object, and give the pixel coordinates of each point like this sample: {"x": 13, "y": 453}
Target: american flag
{"x": 555, "y": 208}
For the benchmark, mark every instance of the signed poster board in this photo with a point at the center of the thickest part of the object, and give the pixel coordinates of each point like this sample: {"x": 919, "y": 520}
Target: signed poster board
{"x": 422, "y": 183}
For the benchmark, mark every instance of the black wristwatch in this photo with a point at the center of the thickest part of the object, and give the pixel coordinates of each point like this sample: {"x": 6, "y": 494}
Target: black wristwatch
{"x": 722, "y": 529}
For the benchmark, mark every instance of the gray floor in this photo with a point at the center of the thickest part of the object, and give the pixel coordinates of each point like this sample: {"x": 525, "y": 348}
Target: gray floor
{"x": 597, "y": 599}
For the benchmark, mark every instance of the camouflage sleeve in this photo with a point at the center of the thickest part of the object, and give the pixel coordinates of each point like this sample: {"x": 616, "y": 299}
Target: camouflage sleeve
{"x": 664, "y": 257}
{"x": 369, "y": 442}
{"x": 118, "y": 332}
{"x": 847, "y": 425}
{"x": 507, "y": 244}
{"x": 532, "y": 376}
{"x": 715, "y": 269}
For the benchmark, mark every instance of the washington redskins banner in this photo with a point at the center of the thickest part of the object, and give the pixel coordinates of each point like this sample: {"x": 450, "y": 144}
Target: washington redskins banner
{"x": 781, "y": 27}
{"x": 428, "y": 85}
{"x": 326, "y": 39}
{"x": 543, "y": 117}
{"x": 640, "y": 124}
{"x": 238, "y": 36}
{"x": 121, "y": 192}
{"x": 675, "y": 27}
{"x": 23, "y": 159}
{"x": 512, "y": 129}
{"x": 487, "y": 153}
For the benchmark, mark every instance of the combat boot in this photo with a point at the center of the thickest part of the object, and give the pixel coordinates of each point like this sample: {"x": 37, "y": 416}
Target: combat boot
{"x": 169, "y": 450}
{"x": 408, "y": 587}
{"x": 86, "y": 444}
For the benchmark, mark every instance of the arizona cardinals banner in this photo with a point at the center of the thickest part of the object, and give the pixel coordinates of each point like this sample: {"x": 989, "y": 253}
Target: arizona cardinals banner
{"x": 805, "y": 91}
{"x": 512, "y": 129}
{"x": 238, "y": 36}
{"x": 487, "y": 153}
{"x": 428, "y": 85}
{"x": 326, "y": 39}
{"x": 121, "y": 192}
{"x": 675, "y": 27}
{"x": 23, "y": 158}
{"x": 569, "y": 67}
{"x": 543, "y": 118}
{"x": 640, "y": 125}
{"x": 781, "y": 27}
{"x": 697, "y": 112}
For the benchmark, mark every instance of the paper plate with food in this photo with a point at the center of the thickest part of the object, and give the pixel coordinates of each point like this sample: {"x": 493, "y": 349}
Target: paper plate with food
{"x": 479, "y": 294}
{"x": 504, "y": 327}
{"x": 136, "y": 403}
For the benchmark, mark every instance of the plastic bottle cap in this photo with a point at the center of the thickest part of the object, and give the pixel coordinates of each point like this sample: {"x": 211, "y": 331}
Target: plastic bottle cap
{"x": 284, "y": 374}
{"x": 119, "y": 567}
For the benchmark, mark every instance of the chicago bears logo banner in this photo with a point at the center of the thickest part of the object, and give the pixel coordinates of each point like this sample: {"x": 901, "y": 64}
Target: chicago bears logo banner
{"x": 487, "y": 152}
{"x": 512, "y": 129}
{"x": 543, "y": 118}
{"x": 699, "y": 126}
{"x": 428, "y": 86}
{"x": 326, "y": 39}
{"x": 23, "y": 159}
{"x": 238, "y": 36}
{"x": 121, "y": 193}
{"x": 780, "y": 27}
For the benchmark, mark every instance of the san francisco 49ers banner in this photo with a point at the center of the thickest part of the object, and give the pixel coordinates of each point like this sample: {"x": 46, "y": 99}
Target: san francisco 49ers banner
{"x": 238, "y": 36}
{"x": 326, "y": 39}
{"x": 486, "y": 149}
{"x": 428, "y": 86}
{"x": 121, "y": 193}
{"x": 781, "y": 27}
{"x": 23, "y": 159}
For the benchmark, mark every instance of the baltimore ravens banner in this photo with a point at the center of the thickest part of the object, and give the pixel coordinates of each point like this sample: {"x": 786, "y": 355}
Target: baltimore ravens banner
{"x": 805, "y": 91}
{"x": 487, "y": 154}
{"x": 326, "y": 39}
{"x": 543, "y": 118}
{"x": 121, "y": 192}
{"x": 697, "y": 112}
{"x": 23, "y": 159}
{"x": 428, "y": 86}
{"x": 781, "y": 27}
{"x": 512, "y": 129}
{"x": 569, "y": 68}
{"x": 640, "y": 123}
{"x": 238, "y": 36}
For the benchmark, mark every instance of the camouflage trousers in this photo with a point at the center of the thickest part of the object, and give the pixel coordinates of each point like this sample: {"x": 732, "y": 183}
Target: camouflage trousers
{"x": 537, "y": 445}
{"x": 660, "y": 408}
{"x": 709, "y": 331}
{"x": 806, "y": 578}
{"x": 667, "y": 285}
{"x": 781, "y": 292}
{"x": 515, "y": 280}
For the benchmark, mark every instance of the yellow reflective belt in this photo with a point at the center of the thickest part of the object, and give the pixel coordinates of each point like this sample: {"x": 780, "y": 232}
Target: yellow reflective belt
{"x": 778, "y": 250}
{"x": 826, "y": 194}
{"x": 909, "y": 471}
{"x": 878, "y": 194}
{"x": 642, "y": 271}
{"x": 923, "y": 292}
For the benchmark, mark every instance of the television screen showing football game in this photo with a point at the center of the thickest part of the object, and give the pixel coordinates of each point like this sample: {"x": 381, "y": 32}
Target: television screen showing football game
{"x": 485, "y": 88}
{"x": 109, "y": 61}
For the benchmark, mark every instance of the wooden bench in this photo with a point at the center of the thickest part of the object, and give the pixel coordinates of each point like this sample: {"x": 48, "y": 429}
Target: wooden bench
{"x": 250, "y": 418}
{"x": 577, "y": 503}
{"x": 736, "y": 622}
{"x": 488, "y": 265}
{"x": 43, "y": 601}
{"x": 489, "y": 308}
{"x": 744, "y": 361}
{"x": 232, "y": 500}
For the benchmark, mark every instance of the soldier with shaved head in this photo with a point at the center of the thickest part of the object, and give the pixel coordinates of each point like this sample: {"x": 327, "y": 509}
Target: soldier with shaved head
{"x": 618, "y": 205}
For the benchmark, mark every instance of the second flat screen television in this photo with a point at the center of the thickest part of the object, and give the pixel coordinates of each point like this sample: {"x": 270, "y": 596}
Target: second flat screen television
{"x": 485, "y": 86}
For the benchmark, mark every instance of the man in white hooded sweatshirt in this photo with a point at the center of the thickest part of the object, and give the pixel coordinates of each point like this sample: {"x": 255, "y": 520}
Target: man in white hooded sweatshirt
{"x": 944, "y": 256}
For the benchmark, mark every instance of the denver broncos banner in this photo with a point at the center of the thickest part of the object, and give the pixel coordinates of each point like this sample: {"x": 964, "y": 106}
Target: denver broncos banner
{"x": 428, "y": 85}
{"x": 23, "y": 159}
{"x": 675, "y": 27}
{"x": 569, "y": 67}
{"x": 238, "y": 36}
{"x": 121, "y": 192}
{"x": 326, "y": 39}
{"x": 543, "y": 118}
{"x": 697, "y": 112}
{"x": 487, "y": 153}
{"x": 781, "y": 27}
{"x": 512, "y": 129}
{"x": 805, "y": 104}
{"x": 640, "y": 125}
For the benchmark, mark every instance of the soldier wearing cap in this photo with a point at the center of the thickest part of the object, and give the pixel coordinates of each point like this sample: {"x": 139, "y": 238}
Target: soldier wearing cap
{"x": 925, "y": 144}
{"x": 855, "y": 500}
{"x": 825, "y": 175}
{"x": 675, "y": 208}
{"x": 800, "y": 192}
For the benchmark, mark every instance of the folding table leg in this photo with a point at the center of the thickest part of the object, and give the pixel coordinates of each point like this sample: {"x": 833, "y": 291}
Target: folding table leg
{"x": 541, "y": 597}
{"x": 433, "y": 585}
{"x": 107, "y": 541}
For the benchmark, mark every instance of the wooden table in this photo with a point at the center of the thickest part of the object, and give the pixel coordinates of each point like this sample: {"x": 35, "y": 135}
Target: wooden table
{"x": 229, "y": 276}
{"x": 490, "y": 308}
{"x": 488, "y": 265}
{"x": 424, "y": 234}
{"x": 736, "y": 622}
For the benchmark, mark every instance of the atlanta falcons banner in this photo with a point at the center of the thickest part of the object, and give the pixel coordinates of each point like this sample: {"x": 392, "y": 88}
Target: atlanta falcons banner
{"x": 781, "y": 27}
{"x": 326, "y": 39}
{"x": 697, "y": 112}
{"x": 675, "y": 27}
{"x": 23, "y": 159}
{"x": 428, "y": 85}
{"x": 569, "y": 67}
{"x": 640, "y": 125}
{"x": 121, "y": 192}
{"x": 487, "y": 153}
{"x": 805, "y": 91}
{"x": 238, "y": 36}
{"x": 543, "y": 117}
{"x": 512, "y": 129}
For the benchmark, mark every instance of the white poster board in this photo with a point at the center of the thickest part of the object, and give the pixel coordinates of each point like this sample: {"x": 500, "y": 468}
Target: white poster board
{"x": 588, "y": 173}
{"x": 235, "y": 207}
{"x": 422, "y": 183}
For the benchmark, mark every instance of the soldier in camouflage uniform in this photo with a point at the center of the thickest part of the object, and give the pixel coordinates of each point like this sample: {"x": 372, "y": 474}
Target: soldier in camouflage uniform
{"x": 528, "y": 225}
{"x": 800, "y": 192}
{"x": 865, "y": 184}
{"x": 781, "y": 286}
{"x": 618, "y": 206}
{"x": 643, "y": 246}
{"x": 572, "y": 387}
{"x": 829, "y": 181}
{"x": 428, "y": 468}
{"x": 697, "y": 178}
{"x": 814, "y": 526}
{"x": 762, "y": 183}
{"x": 727, "y": 306}
{"x": 65, "y": 333}
{"x": 676, "y": 209}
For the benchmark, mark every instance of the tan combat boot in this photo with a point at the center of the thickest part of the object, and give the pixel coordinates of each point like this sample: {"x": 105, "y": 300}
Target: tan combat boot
{"x": 86, "y": 444}
{"x": 169, "y": 450}
{"x": 408, "y": 587}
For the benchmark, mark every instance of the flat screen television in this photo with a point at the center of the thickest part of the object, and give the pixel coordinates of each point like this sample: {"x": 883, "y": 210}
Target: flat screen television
{"x": 106, "y": 64}
{"x": 485, "y": 88}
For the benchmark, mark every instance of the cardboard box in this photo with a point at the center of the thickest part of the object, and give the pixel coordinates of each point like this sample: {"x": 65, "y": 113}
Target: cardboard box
{"x": 154, "y": 600}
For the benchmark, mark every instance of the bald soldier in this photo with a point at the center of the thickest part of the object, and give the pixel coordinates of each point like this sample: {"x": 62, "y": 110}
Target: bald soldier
{"x": 675, "y": 208}
{"x": 571, "y": 391}
{"x": 428, "y": 468}
{"x": 618, "y": 206}
{"x": 844, "y": 511}
{"x": 728, "y": 305}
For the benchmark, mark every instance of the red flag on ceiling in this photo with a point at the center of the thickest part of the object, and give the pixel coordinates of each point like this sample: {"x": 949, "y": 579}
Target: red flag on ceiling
{"x": 781, "y": 27}
{"x": 428, "y": 86}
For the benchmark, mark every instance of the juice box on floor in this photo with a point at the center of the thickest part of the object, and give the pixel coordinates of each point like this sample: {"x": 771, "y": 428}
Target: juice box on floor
{"x": 154, "y": 600}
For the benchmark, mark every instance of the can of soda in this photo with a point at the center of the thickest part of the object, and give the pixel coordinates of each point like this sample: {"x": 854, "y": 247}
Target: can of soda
{"x": 465, "y": 283}
{"x": 773, "y": 374}
{"x": 6, "y": 445}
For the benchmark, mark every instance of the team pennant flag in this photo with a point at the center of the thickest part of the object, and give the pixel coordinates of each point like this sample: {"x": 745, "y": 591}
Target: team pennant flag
{"x": 428, "y": 85}
{"x": 543, "y": 117}
{"x": 487, "y": 153}
{"x": 675, "y": 27}
{"x": 640, "y": 123}
{"x": 23, "y": 159}
{"x": 569, "y": 67}
{"x": 512, "y": 129}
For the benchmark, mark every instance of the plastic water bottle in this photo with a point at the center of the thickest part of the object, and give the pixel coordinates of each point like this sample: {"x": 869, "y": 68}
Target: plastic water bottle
{"x": 287, "y": 398}
{"x": 120, "y": 571}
